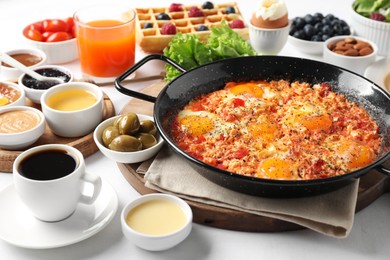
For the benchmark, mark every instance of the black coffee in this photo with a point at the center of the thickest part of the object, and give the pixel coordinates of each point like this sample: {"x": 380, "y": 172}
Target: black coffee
{"x": 47, "y": 165}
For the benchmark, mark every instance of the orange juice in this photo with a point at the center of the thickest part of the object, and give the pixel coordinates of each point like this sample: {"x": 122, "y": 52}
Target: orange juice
{"x": 106, "y": 47}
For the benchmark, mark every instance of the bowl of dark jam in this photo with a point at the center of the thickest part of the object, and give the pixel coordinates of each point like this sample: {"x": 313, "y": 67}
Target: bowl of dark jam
{"x": 35, "y": 88}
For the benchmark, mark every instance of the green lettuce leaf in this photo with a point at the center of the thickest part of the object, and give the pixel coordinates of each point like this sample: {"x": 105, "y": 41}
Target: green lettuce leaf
{"x": 366, "y": 7}
{"x": 181, "y": 49}
{"x": 228, "y": 44}
{"x": 387, "y": 15}
{"x": 189, "y": 51}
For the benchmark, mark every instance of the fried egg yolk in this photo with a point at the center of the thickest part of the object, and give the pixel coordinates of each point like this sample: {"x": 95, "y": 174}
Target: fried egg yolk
{"x": 203, "y": 123}
{"x": 276, "y": 168}
{"x": 263, "y": 128}
{"x": 351, "y": 154}
{"x": 3, "y": 101}
{"x": 251, "y": 89}
{"x": 307, "y": 115}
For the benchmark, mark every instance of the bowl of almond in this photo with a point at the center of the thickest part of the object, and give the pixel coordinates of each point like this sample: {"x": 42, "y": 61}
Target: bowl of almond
{"x": 350, "y": 52}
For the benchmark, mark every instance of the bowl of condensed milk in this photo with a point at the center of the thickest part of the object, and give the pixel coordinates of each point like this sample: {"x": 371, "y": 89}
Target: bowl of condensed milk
{"x": 156, "y": 221}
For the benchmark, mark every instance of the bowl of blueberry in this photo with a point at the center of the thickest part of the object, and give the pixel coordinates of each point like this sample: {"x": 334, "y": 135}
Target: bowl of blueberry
{"x": 308, "y": 33}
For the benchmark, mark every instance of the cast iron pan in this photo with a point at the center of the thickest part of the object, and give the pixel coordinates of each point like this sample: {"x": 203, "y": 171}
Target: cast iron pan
{"x": 213, "y": 76}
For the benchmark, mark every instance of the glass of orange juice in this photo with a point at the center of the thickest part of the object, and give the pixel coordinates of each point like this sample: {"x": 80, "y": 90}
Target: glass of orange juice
{"x": 105, "y": 40}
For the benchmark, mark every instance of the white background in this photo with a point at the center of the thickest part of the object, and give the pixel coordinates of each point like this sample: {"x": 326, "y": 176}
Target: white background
{"x": 370, "y": 236}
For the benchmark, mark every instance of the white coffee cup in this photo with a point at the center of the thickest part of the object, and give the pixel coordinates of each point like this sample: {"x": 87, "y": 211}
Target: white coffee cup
{"x": 55, "y": 185}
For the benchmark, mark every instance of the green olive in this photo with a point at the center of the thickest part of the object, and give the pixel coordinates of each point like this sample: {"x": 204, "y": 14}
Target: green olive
{"x": 125, "y": 143}
{"x": 148, "y": 126}
{"x": 109, "y": 133}
{"x": 147, "y": 140}
{"x": 128, "y": 124}
{"x": 116, "y": 121}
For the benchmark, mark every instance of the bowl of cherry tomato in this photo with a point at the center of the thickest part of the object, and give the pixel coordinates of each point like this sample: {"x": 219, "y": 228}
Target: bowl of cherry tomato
{"x": 55, "y": 37}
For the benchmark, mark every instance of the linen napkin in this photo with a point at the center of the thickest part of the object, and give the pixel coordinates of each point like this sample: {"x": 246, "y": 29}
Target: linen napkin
{"x": 331, "y": 214}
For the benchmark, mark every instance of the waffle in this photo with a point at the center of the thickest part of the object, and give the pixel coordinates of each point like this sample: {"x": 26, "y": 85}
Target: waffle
{"x": 152, "y": 41}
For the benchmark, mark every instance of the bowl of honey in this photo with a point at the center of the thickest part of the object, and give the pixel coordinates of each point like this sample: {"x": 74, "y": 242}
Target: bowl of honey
{"x": 73, "y": 109}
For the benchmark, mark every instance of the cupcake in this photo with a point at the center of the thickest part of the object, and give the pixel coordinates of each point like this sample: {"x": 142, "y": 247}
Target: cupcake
{"x": 270, "y": 14}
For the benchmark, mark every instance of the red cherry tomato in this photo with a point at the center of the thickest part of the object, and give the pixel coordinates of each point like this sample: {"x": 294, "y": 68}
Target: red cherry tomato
{"x": 36, "y": 26}
{"x": 59, "y": 36}
{"x": 74, "y": 32}
{"x": 33, "y": 34}
{"x": 46, "y": 25}
{"x": 51, "y": 30}
{"x": 46, "y": 36}
{"x": 70, "y": 24}
{"x": 54, "y": 25}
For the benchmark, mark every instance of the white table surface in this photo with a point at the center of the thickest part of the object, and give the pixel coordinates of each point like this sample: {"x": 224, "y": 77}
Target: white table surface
{"x": 370, "y": 236}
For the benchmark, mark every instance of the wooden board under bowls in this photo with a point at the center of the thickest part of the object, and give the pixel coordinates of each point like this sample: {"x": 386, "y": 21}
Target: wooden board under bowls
{"x": 84, "y": 144}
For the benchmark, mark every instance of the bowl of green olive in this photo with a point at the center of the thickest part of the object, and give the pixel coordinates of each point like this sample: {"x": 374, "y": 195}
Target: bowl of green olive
{"x": 128, "y": 138}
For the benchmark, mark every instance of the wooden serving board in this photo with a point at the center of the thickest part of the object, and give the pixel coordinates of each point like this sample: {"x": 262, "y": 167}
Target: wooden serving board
{"x": 84, "y": 144}
{"x": 371, "y": 186}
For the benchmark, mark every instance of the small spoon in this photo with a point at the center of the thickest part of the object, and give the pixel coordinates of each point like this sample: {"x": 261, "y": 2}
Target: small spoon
{"x": 16, "y": 64}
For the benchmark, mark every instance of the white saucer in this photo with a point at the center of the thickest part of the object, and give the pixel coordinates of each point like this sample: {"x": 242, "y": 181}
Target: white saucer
{"x": 20, "y": 228}
{"x": 378, "y": 71}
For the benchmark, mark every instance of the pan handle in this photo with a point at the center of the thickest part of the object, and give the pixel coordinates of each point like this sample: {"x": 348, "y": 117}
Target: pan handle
{"x": 136, "y": 66}
{"x": 383, "y": 169}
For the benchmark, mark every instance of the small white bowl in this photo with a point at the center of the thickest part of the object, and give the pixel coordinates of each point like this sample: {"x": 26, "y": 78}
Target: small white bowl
{"x": 268, "y": 41}
{"x": 74, "y": 123}
{"x": 22, "y": 97}
{"x": 125, "y": 157}
{"x": 21, "y": 140}
{"x": 57, "y": 52}
{"x": 13, "y": 73}
{"x": 309, "y": 47}
{"x": 379, "y": 73}
{"x": 375, "y": 31}
{"x": 304, "y": 46}
{"x": 157, "y": 242}
{"x": 357, "y": 64}
{"x": 35, "y": 94}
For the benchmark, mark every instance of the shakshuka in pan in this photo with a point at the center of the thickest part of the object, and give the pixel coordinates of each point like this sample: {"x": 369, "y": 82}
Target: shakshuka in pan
{"x": 278, "y": 130}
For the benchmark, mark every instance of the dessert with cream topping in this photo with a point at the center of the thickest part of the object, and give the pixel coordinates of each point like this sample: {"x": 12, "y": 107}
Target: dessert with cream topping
{"x": 270, "y": 14}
